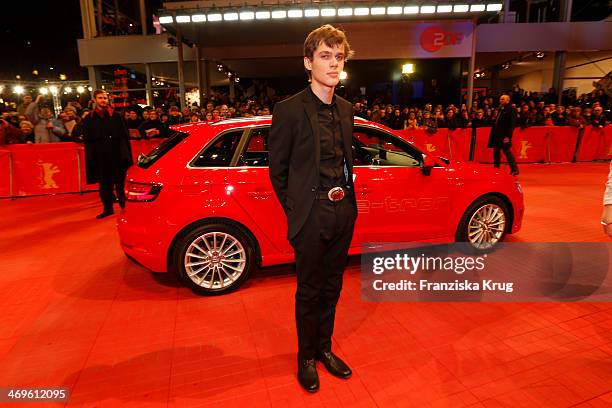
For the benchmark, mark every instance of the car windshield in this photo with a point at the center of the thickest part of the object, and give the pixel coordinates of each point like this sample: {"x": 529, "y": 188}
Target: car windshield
{"x": 146, "y": 160}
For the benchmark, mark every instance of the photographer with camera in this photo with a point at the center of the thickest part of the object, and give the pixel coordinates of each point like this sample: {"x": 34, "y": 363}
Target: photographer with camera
{"x": 46, "y": 128}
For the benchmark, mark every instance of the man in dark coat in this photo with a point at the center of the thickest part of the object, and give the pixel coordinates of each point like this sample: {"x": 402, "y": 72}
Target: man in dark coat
{"x": 107, "y": 152}
{"x": 311, "y": 169}
{"x": 500, "y": 138}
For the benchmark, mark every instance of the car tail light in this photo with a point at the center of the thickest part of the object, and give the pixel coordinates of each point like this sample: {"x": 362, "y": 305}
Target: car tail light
{"x": 141, "y": 191}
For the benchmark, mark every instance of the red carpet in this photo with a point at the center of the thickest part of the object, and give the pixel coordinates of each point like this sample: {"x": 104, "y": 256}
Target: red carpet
{"x": 77, "y": 313}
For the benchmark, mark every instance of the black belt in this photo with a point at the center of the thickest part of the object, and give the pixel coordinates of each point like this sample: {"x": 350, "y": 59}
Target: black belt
{"x": 334, "y": 194}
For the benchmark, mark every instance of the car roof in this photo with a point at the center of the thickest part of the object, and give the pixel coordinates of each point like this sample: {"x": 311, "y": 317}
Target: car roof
{"x": 239, "y": 122}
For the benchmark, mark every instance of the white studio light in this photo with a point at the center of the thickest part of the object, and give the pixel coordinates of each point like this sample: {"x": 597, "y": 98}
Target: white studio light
{"x": 411, "y": 10}
{"x": 394, "y": 10}
{"x": 345, "y": 11}
{"x": 445, "y": 9}
{"x": 18, "y": 89}
{"x": 378, "y": 11}
{"x": 198, "y": 18}
{"x": 295, "y": 13}
{"x": 461, "y": 8}
{"x": 165, "y": 20}
{"x": 312, "y": 12}
{"x": 343, "y": 75}
{"x": 477, "y": 7}
{"x": 214, "y": 17}
{"x": 328, "y": 12}
{"x": 262, "y": 15}
{"x": 408, "y": 68}
{"x": 494, "y": 7}
{"x": 68, "y": 89}
{"x": 247, "y": 15}
{"x": 231, "y": 16}
{"x": 43, "y": 91}
{"x": 80, "y": 89}
{"x": 428, "y": 9}
{"x": 362, "y": 11}
{"x": 279, "y": 14}
{"x": 183, "y": 19}
{"x": 53, "y": 89}
{"x": 89, "y": 88}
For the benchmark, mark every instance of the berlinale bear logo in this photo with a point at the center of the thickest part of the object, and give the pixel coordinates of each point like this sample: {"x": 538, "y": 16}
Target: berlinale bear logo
{"x": 525, "y": 145}
{"x": 434, "y": 38}
{"x": 48, "y": 171}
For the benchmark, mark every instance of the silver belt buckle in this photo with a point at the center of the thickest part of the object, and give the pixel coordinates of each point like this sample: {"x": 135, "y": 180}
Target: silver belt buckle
{"x": 335, "y": 194}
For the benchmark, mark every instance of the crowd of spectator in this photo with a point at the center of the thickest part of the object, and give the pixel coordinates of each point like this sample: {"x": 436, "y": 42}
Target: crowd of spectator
{"x": 33, "y": 122}
{"x": 532, "y": 110}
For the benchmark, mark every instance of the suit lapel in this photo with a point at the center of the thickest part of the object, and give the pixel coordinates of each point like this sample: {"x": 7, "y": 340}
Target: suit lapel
{"x": 311, "y": 112}
{"x": 347, "y": 135}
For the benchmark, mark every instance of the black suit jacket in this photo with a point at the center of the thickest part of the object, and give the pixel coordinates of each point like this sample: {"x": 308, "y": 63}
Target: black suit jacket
{"x": 503, "y": 127}
{"x": 294, "y": 146}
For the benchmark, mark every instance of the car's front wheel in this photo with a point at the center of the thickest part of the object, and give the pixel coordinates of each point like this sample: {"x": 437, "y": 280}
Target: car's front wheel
{"x": 214, "y": 259}
{"x": 484, "y": 223}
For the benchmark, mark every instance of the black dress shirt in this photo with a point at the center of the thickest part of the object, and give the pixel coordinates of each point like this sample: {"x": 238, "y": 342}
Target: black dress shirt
{"x": 332, "y": 149}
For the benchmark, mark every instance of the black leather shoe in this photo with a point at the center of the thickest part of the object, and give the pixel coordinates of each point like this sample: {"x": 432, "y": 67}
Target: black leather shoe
{"x": 307, "y": 375}
{"x": 104, "y": 214}
{"x": 334, "y": 364}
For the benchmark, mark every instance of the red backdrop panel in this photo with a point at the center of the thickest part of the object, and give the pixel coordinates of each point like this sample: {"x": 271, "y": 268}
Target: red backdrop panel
{"x": 562, "y": 142}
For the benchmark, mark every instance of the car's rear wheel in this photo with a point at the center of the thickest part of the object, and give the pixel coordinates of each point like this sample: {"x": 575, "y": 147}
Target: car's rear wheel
{"x": 484, "y": 223}
{"x": 214, "y": 259}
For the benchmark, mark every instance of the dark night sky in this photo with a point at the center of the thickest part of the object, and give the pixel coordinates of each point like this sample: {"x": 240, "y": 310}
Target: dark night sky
{"x": 40, "y": 35}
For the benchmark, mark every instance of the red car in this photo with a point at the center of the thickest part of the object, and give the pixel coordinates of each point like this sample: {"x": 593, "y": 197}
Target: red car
{"x": 202, "y": 206}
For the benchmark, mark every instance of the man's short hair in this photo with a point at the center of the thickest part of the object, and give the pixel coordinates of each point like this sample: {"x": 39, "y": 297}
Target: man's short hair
{"x": 330, "y": 36}
{"x": 98, "y": 92}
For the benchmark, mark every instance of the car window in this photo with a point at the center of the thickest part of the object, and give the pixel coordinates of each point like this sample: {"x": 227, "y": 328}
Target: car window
{"x": 146, "y": 160}
{"x": 378, "y": 148}
{"x": 256, "y": 151}
{"x": 220, "y": 152}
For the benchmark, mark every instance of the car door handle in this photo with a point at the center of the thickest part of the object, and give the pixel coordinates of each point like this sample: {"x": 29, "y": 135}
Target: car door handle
{"x": 260, "y": 195}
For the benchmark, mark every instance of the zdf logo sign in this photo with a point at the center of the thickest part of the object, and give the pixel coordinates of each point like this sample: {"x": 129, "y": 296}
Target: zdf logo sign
{"x": 434, "y": 38}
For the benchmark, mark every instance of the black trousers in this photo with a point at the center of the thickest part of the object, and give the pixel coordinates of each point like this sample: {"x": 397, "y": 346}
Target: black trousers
{"x": 507, "y": 149}
{"x": 321, "y": 252}
{"x": 110, "y": 190}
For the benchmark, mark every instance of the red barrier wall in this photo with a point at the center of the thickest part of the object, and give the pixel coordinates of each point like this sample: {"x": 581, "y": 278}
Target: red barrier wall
{"x": 596, "y": 144}
{"x": 60, "y": 167}
{"x": 459, "y": 144}
{"x": 5, "y": 173}
{"x": 532, "y": 145}
{"x": 435, "y": 143}
{"x": 45, "y": 169}
{"x": 51, "y": 168}
{"x": 562, "y": 143}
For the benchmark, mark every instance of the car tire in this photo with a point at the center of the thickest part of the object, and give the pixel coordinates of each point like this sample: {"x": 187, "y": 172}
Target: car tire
{"x": 484, "y": 223}
{"x": 214, "y": 259}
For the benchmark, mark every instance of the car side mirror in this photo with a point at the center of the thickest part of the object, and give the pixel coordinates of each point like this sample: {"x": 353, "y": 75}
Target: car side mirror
{"x": 428, "y": 164}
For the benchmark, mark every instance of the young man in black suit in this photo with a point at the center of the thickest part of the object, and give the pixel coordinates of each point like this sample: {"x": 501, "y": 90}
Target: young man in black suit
{"x": 500, "y": 138}
{"x": 311, "y": 169}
